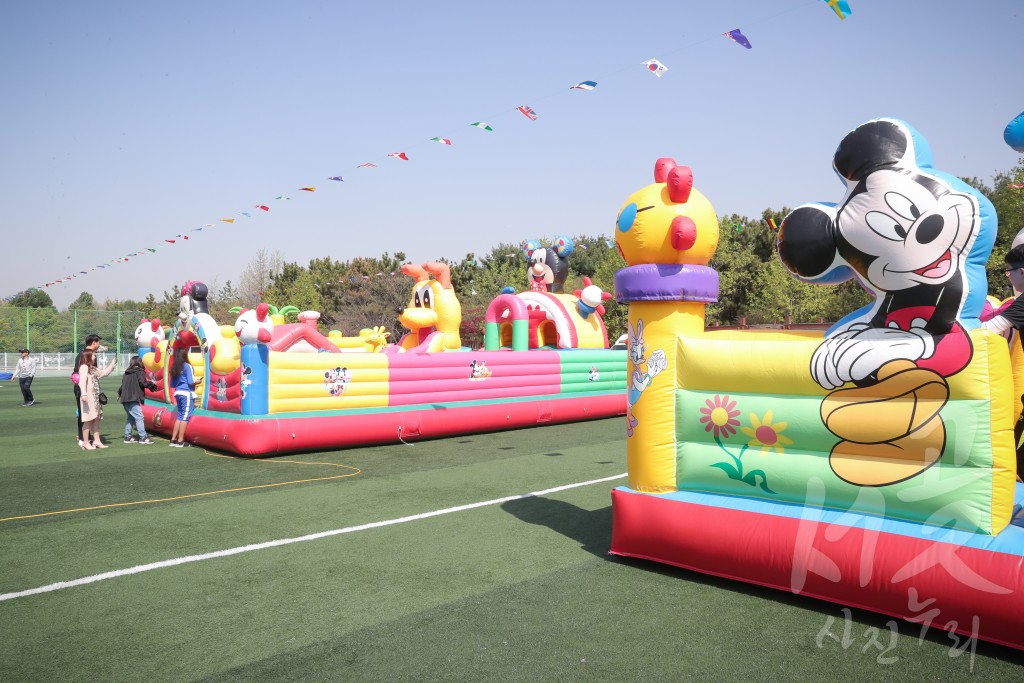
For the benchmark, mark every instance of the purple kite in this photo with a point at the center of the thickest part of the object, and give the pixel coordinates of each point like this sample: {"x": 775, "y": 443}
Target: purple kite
{"x": 738, "y": 36}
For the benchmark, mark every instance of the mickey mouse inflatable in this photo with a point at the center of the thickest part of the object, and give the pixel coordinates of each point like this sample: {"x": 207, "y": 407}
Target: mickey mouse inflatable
{"x": 548, "y": 267}
{"x": 918, "y": 240}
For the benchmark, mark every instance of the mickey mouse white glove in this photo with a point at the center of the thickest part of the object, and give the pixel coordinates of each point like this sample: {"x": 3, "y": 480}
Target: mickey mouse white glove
{"x": 859, "y": 351}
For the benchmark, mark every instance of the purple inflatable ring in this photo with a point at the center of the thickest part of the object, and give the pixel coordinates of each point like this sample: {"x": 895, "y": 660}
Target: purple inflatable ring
{"x": 666, "y": 282}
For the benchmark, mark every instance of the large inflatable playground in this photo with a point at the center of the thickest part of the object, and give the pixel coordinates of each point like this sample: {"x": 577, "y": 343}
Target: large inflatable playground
{"x": 268, "y": 387}
{"x": 872, "y": 467}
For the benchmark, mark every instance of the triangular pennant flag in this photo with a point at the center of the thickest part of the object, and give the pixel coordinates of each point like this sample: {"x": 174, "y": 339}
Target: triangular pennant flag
{"x": 311, "y": 188}
{"x": 227, "y": 220}
{"x": 399, "y": 155}
{"x": 367, "y": 165}
{"x": 481, "y": 124}
{"x": 169, "y": 241}
{"x": 262, "y": 207}
{"x": 443, "y": 141}
{"x": 585, "y": 85}
{"x": 336, "y": 177}
{"x": 151, "y": 249}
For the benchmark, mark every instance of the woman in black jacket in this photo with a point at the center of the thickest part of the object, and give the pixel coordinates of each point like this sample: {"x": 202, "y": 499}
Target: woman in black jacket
{"x": 132, "y": 395}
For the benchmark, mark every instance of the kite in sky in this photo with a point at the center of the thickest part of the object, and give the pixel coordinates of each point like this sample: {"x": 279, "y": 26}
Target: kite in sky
{"x": 738, "y": 36}
{"x": 527, "y": 112}
{"x": 840, "y": 7}
{"x": 655, "y": 67}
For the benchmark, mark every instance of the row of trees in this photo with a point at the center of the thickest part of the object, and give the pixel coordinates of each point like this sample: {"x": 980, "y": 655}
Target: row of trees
{"x": 364, "y": 292}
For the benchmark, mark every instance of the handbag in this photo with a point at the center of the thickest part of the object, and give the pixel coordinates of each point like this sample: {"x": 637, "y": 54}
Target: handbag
{"x": 74, "y": 378}
{"x": 102, "y": 399}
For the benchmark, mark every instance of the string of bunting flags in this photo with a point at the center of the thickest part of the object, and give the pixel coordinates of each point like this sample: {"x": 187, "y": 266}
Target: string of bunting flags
{"x": 653, "y": 65}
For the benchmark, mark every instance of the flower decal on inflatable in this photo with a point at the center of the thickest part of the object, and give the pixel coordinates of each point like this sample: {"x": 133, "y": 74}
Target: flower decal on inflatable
{"x": 767, "y": 435}
{"x": 720, "y": 415}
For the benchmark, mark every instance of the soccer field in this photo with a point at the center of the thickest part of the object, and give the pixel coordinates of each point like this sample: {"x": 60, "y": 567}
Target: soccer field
{"x": 477, "y": 558}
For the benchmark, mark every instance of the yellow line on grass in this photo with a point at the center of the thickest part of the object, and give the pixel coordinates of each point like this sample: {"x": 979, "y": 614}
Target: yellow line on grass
{"x": 204, "y": 493}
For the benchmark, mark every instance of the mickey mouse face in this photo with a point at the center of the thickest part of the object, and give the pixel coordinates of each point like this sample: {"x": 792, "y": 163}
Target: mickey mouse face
{"x": 900, "y": 226}
{"x": 538, "y": 268}
{"x": 904, "y": 230}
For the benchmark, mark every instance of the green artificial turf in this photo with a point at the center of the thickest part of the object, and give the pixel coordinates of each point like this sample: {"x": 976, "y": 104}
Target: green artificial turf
{"x": 521, "y": 590}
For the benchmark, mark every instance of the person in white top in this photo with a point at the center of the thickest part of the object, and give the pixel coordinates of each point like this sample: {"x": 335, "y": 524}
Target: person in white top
{"x": 24, "y": 372}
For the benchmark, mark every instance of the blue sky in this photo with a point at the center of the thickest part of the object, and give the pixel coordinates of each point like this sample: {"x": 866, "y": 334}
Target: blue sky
{"x": 128, "y": 123}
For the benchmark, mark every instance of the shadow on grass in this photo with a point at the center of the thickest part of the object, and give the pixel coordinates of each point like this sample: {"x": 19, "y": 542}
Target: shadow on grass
{"x": 592, "y": 529}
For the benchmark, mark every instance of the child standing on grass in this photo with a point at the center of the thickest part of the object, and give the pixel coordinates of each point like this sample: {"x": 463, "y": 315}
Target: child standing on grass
{"x": 184, "y": 382}
{"x": 132, "y": 395}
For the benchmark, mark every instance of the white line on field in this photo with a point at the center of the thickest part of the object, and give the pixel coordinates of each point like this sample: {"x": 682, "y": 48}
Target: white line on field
{"x": 138, "y": 569}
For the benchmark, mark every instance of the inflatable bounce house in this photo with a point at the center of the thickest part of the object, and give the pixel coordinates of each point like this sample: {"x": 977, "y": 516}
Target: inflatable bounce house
{"x": 267, "y": 388}
{"x": 873, "y": 467}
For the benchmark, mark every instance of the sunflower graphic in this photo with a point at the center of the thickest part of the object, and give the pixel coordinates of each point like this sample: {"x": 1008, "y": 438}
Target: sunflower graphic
{"x": 767, "y": 435}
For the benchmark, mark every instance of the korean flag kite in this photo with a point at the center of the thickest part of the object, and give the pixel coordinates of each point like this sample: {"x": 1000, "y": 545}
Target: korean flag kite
{"x": 655, "y": 67}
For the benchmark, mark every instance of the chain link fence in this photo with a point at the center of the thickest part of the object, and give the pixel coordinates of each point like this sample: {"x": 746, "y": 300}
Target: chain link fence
{"x": 55, "y": 337}
{"x": 59, "y": 364}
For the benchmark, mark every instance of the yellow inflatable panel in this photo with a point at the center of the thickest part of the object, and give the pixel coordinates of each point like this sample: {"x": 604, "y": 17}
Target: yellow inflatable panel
{"x": 295, "y": 405}
{"x": 279, "y": 376}
{"x": 281, "y": 360}
{"x": 318, "y": 390}
{"x": 651, "y": 448}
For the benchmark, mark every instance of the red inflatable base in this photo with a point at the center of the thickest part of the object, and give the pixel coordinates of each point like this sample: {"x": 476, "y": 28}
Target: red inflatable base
{"x": 277, "y": 434}
{"x": 946, "y": 580}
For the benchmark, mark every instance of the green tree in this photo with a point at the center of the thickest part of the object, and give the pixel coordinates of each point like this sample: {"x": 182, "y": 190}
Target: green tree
{"x": 32, "y": 298}
{"x": 84, "y": 302}
{"x": 295, "y": 287}
{"x": 1008, "y": 200}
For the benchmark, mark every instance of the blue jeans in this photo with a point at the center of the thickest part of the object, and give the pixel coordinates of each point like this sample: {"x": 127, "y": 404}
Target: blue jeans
{"x": 134, "y": 416}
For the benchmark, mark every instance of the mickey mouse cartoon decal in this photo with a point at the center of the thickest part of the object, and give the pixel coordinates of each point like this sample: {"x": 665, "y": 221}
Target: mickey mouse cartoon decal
{"x": 906, "y": 232}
